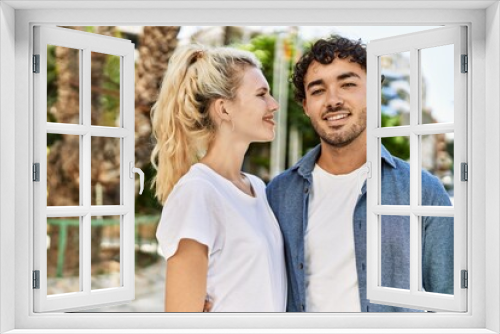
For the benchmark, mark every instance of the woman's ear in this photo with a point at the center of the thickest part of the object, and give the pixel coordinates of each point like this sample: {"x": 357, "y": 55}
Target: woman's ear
{"x": 220, "y": 109}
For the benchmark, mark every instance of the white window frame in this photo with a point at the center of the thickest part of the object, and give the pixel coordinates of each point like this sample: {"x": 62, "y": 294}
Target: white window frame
{"x": 85, "y": 43}
{"x": 483, "y": 21}
{"x": 414, "y": 297}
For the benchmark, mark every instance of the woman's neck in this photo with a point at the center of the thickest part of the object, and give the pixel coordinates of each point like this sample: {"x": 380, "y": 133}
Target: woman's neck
{"x": 226, "y": 158}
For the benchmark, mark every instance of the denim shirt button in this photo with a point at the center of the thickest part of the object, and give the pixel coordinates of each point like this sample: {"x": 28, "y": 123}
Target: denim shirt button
{"x": 302, "y": 307}
{"x": 306, "y": 190}
{"x": 301, "y": 266}
{"x": 363, "y": 266}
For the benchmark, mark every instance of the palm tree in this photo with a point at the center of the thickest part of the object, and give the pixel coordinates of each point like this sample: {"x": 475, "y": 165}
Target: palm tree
{"x": 156, "y": 45}
{"x": 63, "y": 180}
{"x": 63, "y": 170}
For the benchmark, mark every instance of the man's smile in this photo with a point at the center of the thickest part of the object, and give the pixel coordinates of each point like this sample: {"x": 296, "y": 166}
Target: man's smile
{"x": 337, "y": 119}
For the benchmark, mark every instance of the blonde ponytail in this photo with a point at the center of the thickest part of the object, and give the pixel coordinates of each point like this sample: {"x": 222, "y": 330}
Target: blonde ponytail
{"x": 181, "y": 123}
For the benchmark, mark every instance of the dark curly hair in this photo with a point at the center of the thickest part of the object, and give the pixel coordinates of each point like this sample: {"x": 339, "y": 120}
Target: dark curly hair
{"x": 324, "y": 51}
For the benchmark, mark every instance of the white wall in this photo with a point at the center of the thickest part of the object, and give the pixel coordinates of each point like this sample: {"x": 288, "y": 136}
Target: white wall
{"x": 7, "y": 161}
{"x": 492, "y": 152}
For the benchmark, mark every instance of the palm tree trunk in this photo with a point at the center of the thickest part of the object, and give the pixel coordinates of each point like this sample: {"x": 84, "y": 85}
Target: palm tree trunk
{"x": 156, "y": 45}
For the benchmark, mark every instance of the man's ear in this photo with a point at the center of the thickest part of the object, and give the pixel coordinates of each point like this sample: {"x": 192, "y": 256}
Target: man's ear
{"x": 304, "y": 106}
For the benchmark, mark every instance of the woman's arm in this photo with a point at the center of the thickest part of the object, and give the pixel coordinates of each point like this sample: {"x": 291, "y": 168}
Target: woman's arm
{"x": 186, "y": 283}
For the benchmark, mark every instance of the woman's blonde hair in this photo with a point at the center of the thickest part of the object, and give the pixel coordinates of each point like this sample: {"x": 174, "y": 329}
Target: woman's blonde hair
{"x": 181, "y": 123}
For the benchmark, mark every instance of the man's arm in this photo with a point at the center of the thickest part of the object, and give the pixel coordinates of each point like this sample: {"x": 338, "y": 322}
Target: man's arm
{"x": 437, "y": 240}
{"x": 437, "y": 260}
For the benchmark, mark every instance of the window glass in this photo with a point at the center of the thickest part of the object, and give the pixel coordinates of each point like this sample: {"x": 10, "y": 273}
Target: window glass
{"x": 63, "y": 85}
{"x": 105, "y": 171}
{"x": 395, "y": 251}
{"x": 105, "y": 89}
{"x": 437, "y": 159}
{"x": 63, "y": 255}
{"x": 399, "y": 148}
{"x": 63, "y": 170}
{"x": 395, "y": 93}
{"x": 437, "y": 254}
{"x": 105, "y": 252}
{"x": 437, "y": 85}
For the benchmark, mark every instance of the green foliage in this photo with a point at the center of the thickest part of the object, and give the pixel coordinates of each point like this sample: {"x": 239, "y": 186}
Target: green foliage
{"x": 147, "y": 202}
{"x": 110, "y": 99}
{"x": 259, "y": 160}
{"x": 51, "y": 81}
{"x": 398, "y": 146}
{"x": 52, "y": 138}
{"x": 52, "y": 94}
{"x": 263, "y": 46}
{"x": 390, "y": 120}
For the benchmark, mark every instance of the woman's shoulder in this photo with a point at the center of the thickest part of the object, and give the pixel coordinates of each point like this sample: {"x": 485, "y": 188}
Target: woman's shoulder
{"x": 195, "y": 183}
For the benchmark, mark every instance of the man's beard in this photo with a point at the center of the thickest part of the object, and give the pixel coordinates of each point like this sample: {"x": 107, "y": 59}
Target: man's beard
{"x": 342, "y": 138}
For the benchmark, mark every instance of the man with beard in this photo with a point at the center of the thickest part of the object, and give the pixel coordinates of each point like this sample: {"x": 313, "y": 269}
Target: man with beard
{"x": 322, "y": 210}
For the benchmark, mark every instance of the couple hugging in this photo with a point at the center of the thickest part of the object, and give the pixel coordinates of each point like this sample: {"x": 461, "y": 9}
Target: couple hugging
{"x": 299, "y": 243}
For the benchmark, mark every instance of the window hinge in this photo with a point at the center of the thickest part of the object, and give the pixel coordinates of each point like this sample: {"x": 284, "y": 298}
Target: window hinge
{"x": 464, "y": 171}
{"x": 36, "y": 63}
{"x": 465, "y": 64}
{"x": 36, "y": 172}
{"x": 465, "y": 279}
{"x": 36, "y": 279}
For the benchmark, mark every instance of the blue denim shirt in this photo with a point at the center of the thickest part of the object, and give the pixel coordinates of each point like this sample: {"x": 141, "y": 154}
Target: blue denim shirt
{"x": 288, "y": 195}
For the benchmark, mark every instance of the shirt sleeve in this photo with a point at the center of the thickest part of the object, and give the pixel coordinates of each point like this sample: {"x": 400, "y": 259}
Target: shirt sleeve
{"x": 192, "y": 211}
{"x": 437, "y": 240}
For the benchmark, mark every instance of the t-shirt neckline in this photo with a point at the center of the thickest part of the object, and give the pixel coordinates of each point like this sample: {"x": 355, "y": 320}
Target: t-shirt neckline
{"x": 230, "y": 184}
{"x": 350, "y": 175}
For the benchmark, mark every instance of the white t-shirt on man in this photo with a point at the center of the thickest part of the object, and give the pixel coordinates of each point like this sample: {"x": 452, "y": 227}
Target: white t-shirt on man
{"x": 330, "y": 261}
{"x": 246, "y": 263}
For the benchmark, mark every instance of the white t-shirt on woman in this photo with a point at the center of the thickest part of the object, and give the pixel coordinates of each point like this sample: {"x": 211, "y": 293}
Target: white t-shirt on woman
{"x": 246, "y": 264}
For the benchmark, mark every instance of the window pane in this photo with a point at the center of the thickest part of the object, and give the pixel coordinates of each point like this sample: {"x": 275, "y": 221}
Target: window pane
{"x": 437, "y": 159}
{"x": 395, "y": 94}
{"x": 105, "y": 171}
{"x": 437, "y": 254}
{"x": 105, "y": 90}
{"x": 149, "y": 270}
{"x": 105, "y": 252}
{"x": 63, "y": 85}
{"x": 398, "y": 147}
{"x": 437, "y": 84}
{"x": 63, "y": 255}
{"x": 63, "y": 170}
{"x": 395, "y": 252}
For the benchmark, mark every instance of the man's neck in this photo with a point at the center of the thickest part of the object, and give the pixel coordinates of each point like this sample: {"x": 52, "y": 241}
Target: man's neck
{"x": 343, "y": 160}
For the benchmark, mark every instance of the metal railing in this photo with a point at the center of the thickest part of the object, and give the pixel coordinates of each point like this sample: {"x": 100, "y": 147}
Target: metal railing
{"x": 64, "y": 224}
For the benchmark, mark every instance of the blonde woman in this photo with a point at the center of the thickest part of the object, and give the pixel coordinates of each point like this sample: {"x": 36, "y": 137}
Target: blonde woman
{"x": 217, "y": 231}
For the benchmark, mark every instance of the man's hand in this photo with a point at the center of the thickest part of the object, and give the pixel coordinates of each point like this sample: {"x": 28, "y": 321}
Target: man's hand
{"x": 208, "y": 305}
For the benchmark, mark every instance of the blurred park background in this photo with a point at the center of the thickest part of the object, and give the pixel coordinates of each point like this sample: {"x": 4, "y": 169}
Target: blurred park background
{"x": 278, "y": 48}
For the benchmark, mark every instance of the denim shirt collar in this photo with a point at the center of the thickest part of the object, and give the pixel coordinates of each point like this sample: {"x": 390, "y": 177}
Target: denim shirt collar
{"x": 305, "y": 165}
